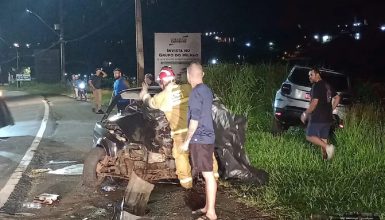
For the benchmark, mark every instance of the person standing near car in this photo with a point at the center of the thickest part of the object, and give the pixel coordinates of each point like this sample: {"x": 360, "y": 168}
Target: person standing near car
{"x": 173, "y": 101}
{"x": 201, "y": 137}
{"x": 319, "y": 114}
{"x": 95, "y": 83}
{"x": 120, "y": 84}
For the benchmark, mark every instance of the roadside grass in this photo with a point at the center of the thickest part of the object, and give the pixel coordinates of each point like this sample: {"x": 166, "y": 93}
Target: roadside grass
{"x": 301, "y": 183}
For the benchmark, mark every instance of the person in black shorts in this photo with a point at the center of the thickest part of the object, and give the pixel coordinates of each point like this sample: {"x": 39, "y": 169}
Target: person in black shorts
{"x": 201, "y": 137}
{"x": 320, "y": 113}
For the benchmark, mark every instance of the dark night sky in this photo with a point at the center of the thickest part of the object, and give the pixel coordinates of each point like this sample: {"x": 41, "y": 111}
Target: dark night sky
{"x": 100, "y": 20}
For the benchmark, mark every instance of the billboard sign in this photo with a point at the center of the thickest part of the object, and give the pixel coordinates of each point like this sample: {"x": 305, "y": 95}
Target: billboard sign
{"x": 177, "y": 50}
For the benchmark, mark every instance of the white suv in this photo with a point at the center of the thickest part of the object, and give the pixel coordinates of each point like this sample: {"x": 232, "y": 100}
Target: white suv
{"x": 294, "y": 97}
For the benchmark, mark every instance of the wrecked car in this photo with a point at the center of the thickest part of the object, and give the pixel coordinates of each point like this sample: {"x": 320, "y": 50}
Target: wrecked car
{"x": 138, "y": 140}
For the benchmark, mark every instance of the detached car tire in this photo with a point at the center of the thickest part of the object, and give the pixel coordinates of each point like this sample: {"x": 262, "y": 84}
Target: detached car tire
{"x": 90, "y": 177}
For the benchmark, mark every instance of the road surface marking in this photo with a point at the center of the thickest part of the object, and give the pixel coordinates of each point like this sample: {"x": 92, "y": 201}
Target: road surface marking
{"x": 6, "y": 191}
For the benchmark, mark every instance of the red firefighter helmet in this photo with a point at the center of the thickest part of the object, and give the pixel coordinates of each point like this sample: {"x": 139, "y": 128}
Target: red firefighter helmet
{"x": 166, "y": 74}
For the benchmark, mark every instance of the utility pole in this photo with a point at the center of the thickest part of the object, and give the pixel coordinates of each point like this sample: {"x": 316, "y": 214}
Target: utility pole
{"x": 61, "y": 39}
{"x": 139, "y": 43}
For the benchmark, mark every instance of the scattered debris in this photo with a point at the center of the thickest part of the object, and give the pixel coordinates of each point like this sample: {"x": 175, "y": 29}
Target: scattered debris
{"x": 46, "y": 198}
{"x": 76, "y": 169}
{"x": 32, "y": 205}
{"x": 37, "y": 171}
{"x": 25, "y": 214}
{"x": 128, "y": 216}
{"x": 61, "y": 162}
{"x": 96, "y": 212}
{"x": 108, "y": 188}
{"x": 137, "y": 194}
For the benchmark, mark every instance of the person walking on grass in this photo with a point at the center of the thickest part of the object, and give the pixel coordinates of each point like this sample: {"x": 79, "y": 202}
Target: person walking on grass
{"x": 201, "y": 137}
{"x": 95, "y": 83}
{"x": 319, "y": 114}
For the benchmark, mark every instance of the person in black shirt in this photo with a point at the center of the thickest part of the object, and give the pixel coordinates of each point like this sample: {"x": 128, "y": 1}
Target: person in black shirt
{"x": 95, "y": 83}
{"x": 320, "y": 113}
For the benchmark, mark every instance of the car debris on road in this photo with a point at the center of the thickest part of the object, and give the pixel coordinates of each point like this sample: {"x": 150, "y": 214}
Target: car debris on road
{"x": 46, "y": 198}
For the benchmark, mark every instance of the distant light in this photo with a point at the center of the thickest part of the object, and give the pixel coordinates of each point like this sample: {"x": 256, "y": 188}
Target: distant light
{"x": 28, "y": 45}
{"x": 217, "y": 38}
{"x": 357, "y": 36}
{"x": 210, "y": 33}
{"x": 109, "y": 63}
{"x": 248, "y": 44}
{"x": 85, "y": 76}
{"x": 326, "y": 38}
{"x": 28, "y": 11}
{"x": 207, "y": 34}
{"x": 382, "y": 27}
{"x": 16, "y": 44}
{"x": 271, "y": 43}
{"x": 346, "y": 25}
{"x": 316, "y": 37}
{"x": 214, "y": 61}
{"x": 298, "y": 46}
{"x": 357, "y": 24}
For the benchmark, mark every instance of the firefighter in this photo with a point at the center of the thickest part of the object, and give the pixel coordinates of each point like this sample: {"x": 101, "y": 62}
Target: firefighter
{"x": 173, "y": 101}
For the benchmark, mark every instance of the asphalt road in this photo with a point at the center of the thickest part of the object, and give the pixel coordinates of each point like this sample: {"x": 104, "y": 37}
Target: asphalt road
{"x": 66, "y": 141}
{"x": 27, "y": 112}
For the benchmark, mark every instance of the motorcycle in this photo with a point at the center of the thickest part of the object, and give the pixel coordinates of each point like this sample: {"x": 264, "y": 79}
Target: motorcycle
{"x": 82, "y": 92}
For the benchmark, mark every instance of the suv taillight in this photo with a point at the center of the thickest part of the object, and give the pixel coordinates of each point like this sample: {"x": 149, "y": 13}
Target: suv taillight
{"x": 286, "y": 89}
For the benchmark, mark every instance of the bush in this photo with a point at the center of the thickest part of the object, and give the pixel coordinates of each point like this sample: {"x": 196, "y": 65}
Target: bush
{"x": 247, "y": 89}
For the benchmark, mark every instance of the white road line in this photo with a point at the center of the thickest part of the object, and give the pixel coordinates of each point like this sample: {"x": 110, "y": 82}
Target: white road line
{"x": 14, "y": 179}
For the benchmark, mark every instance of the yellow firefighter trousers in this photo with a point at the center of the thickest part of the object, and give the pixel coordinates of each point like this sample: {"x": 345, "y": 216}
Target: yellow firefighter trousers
{"x": 182, "y": 163}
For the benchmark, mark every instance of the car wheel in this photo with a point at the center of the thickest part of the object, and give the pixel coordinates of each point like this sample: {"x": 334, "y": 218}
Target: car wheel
{"x": 278, "y": 127}
{"x": 90, "y": 176}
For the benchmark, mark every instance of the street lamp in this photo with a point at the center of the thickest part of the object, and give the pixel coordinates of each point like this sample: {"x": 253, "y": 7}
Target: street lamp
{"x": 17, "y": 45}
{"x": 61, "y": 38}
{"x": 42, "y": 21}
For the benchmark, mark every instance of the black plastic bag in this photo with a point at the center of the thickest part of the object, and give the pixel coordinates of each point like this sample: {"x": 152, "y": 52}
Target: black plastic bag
{"x": 233, "y": 162}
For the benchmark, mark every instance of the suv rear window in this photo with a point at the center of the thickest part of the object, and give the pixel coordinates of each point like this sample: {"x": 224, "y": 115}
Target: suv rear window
{"x": 300, "y": 76}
